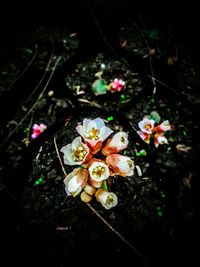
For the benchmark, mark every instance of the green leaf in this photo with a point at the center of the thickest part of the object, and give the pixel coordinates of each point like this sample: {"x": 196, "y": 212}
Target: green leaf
{"x": 104, "y": 185}
{"x": 99, "y": 87}
{"x": 155, "y": 116}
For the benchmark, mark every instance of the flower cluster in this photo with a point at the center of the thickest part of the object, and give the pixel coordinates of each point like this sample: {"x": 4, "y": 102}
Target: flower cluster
{"x": 151, "y": 129}
{"x": 91, "y": 176}
{"x": 38, "y": 129}
{"x": 100, "y": 86}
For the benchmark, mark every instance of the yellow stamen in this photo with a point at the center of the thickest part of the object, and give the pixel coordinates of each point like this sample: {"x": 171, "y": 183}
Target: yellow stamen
{"x": 109, "y": 200}
{"x": 93, "y": 134}
{"x": 79, "y": 153}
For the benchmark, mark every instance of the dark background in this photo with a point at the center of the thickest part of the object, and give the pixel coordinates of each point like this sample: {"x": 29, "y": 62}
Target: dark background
{"x": 84, "y": 17}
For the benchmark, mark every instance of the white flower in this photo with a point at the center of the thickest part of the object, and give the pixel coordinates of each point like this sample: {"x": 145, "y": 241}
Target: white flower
{"x": 120, "y": 165}
{"x": 107, "y": 199}
{"x": 98, "y": 170}
{"x": 146, "y": 125}
{"x": 94, "y": 132}
{"x": 75, "y": 181}
{"x": 76, "y": 153}
{"x": 160, "y": 139}
{"x": 115, "y": 144}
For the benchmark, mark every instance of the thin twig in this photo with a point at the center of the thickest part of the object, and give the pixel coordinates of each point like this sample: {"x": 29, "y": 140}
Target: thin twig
{"x": 46, "y": 70}
{"x": 58, "y": 154}
{"x": 165, "y": 85}
{"x": 29, "y": 127}
{"x": 102, "y": 34}
{"x": 115, "y": 231}
{"x": 35, "y": 104}
{"x": 26, "y": 68}
{"x": 97, "y": 214}
{"x": 150, "y": 57}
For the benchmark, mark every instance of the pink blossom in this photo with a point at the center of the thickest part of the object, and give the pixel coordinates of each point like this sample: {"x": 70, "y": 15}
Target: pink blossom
{"x": 38, "y": 129}
{"x": 160, "y": 139}
{"x": 163, "y": 127}
{"x": 117, "y": 85}
{"x": 145, "y": 136}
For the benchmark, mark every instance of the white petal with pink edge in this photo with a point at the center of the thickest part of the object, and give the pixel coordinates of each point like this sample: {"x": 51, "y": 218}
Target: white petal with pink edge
{"x": 120, "y": 165}
{"x": 160, "y": 139}
{"x": 93, "y": 131}
{"x": 115, "y": 144}
{"x": 75, "y": 153}
{"x": 75, "y": 181}
{"x": 146, "y": 125}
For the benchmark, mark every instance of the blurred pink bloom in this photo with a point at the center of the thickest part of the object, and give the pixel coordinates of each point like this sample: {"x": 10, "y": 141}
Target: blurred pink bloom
{"x": 163, "y": 127}
{"x": 145, "y": 136}
{"x": 160, "y": 139}
{"x": 117, "y": 85}
{"x": 38, "y": 129}
{"x": 149, "y": 130}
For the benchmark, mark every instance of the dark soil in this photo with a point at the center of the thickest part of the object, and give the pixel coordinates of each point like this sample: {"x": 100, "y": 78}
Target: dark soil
{"x": 47, "y": 69}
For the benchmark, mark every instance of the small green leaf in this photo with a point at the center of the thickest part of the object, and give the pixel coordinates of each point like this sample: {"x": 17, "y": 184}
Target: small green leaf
{"x": 104, "y": 185}
{"x": 141, "y": 153}
{"x": 155, "y": 116}
{"x": 110, "y": 118}
{"x": 99, "y": 87}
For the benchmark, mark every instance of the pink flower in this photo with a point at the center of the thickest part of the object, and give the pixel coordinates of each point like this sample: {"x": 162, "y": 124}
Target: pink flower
{"x": 115, "y": 144}
{"x": 94, "y": 132}
{"x": 145, "y": 136}
{"x": 149, "y": 130}
{"x": 38, "y": 129}
{"x": 120, "y": 165}
{"x": 163, "y": 127}
{"x": 117, "y": 85}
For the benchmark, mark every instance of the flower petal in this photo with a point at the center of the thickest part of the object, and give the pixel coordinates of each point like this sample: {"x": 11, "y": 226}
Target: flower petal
{"x": 115, "y": 144}
{"x": 146, "y": 125}
{"x": 75, "y": 181}
{"x": 145, "y": 136}
{"x": 163, "y": 127}
{"x": 76, "y": 153}
{"x": 98, "y": 170}
{"x": 107, "y": 199}
{"x": 160, "y": 139}
{"x": 93, "y": 131}
{"x": 85, "y": 197}
{"x": 120, "y": 165}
